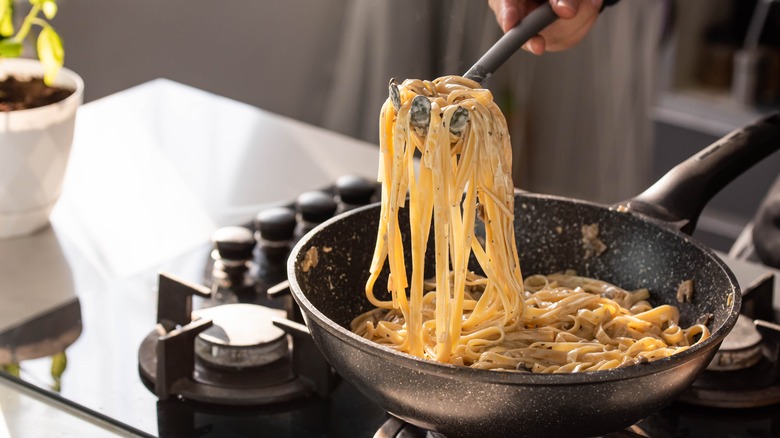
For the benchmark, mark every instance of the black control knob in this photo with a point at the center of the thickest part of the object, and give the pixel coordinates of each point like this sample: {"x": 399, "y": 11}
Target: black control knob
{"x": 315, "y": 206}
{"x": 275, "y": 233}
{"x": 234, "y": 243}
{"x": 355, "y": 190}
{"x": 275, "y": 225}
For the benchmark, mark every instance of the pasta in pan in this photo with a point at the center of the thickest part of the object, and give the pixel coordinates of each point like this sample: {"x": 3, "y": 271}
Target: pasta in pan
{"x": 553, "y": 323}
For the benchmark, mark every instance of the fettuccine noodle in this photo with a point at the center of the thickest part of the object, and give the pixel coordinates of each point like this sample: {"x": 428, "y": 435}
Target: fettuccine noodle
{"x": 554, "y": 323}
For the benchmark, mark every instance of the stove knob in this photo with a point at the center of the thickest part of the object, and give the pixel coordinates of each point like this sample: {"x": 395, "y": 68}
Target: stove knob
{"x": 234, "y": 243}
{"x": 315, "y": 207}
{"x": 275, "y": 225}
{"x": 354, "y": 190}
{"x": 275, "y": 233}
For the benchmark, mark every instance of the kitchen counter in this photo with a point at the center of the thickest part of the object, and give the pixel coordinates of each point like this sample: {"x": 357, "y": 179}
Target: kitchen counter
{"x": 29, "y": 413}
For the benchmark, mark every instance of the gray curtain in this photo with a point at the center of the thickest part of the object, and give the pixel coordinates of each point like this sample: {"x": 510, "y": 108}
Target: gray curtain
{"x": 579, "y": 120}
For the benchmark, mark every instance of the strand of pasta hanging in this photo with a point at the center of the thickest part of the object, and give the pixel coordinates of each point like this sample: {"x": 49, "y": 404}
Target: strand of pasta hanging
{"x": 460, "y": 176}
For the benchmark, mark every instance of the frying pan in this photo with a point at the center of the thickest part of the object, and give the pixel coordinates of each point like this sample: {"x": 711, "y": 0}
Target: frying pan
{"x": 647, "y": 246}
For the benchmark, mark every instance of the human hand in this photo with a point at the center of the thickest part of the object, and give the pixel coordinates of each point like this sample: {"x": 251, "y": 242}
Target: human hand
{"x": 576, "y": 17}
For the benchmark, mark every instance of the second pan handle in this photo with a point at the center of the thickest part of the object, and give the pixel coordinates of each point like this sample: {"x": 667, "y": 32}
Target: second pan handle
{"x": 679, "y": 197}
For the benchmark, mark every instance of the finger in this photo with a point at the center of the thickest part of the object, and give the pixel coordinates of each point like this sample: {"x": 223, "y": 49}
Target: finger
{"x": 535, "y": 45}
{"x": 565, "y": 8}
{"x": 509, "y": 15}
{"x": 557, "y": 41}
{"x": 499, "y": 7}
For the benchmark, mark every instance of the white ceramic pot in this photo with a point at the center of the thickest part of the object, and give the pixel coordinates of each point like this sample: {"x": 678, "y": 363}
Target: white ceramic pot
{"x": 34, "y": 149}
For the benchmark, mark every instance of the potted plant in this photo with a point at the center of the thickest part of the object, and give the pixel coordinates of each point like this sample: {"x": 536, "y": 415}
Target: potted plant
{"x": 38, "y": 103}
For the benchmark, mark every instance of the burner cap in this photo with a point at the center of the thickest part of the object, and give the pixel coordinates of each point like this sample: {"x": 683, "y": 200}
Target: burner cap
{"x": 243, "y": 335}
{"x": 740, "y": 349}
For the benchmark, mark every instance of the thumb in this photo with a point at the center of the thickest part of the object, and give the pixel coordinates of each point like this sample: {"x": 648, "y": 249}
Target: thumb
{"x": 565, "y": 8}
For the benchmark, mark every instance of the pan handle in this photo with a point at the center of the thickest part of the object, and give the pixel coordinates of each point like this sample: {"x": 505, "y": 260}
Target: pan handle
{"x": 679, "y": 197}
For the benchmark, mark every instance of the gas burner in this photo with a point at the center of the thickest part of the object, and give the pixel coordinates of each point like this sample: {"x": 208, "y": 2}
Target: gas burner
{"x": 745, "y": 372}
{"x": 230, "y": 354}
{"x": 397, "y": 428}
{"x": 741, "y": 349}
{"x": 242, "y": 336}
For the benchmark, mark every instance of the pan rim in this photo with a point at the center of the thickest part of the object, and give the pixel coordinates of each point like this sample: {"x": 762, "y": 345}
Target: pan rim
{"x": 509, "y": 377}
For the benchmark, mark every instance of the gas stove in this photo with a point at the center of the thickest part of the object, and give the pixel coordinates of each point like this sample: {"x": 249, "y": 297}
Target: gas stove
{"x": 245, "y": 281}
{"x": 743, "y": 380}
{"x": 152, "y": 330}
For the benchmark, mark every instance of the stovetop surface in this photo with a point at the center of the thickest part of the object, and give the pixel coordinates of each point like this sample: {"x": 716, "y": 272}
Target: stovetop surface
{"x": 102, "y": 376}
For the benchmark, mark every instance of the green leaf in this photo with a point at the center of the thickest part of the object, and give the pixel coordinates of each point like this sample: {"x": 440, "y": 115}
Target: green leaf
{"x": 12, "y": 369}
{"x": 10, "y": 49}
{"x": 6, "y": 18}
{"x": 49, "y": 8}
{"x": 50, "y": 53}
{"x": 58, "y": 363}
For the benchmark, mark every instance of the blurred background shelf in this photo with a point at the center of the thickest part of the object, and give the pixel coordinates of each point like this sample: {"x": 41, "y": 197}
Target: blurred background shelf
{"x": 698, "y": 101}
{"x": 705, "y": 111}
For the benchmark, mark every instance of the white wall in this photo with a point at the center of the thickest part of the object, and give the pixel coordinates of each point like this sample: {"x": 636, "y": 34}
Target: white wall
{"x": 271, "y": 54}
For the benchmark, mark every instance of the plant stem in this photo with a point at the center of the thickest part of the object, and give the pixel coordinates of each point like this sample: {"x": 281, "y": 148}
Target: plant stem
{"x": 40, "y": 22}
{"x": 27, "y": 24}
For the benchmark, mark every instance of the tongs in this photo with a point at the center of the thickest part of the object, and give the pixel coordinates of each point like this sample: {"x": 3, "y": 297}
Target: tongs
{"x": 507, "y": 45}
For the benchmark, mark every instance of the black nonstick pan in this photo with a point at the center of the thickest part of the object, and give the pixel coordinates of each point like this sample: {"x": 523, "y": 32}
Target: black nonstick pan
{"x": 647, "y": 246}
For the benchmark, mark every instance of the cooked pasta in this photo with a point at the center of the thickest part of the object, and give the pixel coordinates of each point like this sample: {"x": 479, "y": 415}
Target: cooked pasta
{"x": 554, "y": 323}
